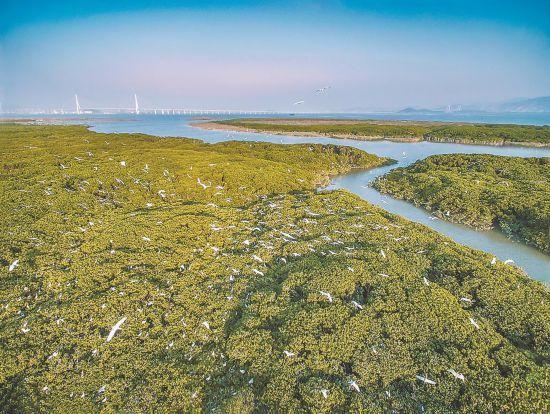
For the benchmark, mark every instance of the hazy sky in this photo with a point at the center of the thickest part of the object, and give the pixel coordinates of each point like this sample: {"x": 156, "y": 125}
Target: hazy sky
{"x": 239, "y": 55}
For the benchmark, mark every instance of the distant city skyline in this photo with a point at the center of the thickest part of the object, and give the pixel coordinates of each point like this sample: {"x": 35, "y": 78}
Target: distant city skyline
{"x": 235, "y": 55}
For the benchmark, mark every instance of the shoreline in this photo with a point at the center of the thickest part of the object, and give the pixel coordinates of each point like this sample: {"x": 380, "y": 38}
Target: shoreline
{"x": 218, "y": 126}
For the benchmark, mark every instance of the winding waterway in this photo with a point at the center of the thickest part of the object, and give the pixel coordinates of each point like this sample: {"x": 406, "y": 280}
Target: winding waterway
{"x": 535, "y": 263}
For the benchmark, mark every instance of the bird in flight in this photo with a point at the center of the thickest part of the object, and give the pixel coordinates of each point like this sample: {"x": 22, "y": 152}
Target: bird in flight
{"x": 456, "y": 374}
{"x": 298, "y": 103}
{"x": 425, "y": 380}
{"x": 13, "y": 265}
{"x": 327, "y": 295}
{"x": 322, "y": 90}
{"x": 115, "y": 328}
{"x": 354, "y": 385}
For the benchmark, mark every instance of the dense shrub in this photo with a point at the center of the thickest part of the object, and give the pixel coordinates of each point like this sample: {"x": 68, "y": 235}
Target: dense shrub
{"x": 450, "y": 132}
{"x": 255, "y": 294}
{"x": 482, "y": 191}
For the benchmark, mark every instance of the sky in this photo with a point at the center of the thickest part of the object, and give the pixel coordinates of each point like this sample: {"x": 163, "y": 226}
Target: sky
{"x": 374, "y": 55}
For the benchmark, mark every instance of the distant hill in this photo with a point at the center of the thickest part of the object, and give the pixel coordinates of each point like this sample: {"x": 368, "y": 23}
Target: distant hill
{"x": 540, "y": 104}
{"x": 410, "y": 110}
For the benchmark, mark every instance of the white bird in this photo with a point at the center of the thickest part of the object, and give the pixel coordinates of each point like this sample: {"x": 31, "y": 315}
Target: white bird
{"x": 322, "y": 90}
{"x": 473, "y": 322}
{"x": 357, "y": 305}
{"x": 123, "y": 163}
{"x": 327, "y": 295}
{"x": 53, "y": 355}
{"x": 354, "y": 385}
{"x": 456, "y": 374}
{"x": 206, "y": 325}
{"x": 425, "y": 380}
{"x": 383, "y": 254}
{"x": 509, "y": 261}
{"x": 257, "y": 272}
{"x": 204, "y": 186}
{"x": 493, "y": 261}
{"x": 14, "y": 264}
{"x": 287, "y": 235}
{"x": 467, "y": 300}
{"x": 146, "y": 168}
{"x": 426, "y": 281}
{"x": 145, "y": 238}
{"x": 101, "y": 390}
{"x": 257, "y": 258}
{"x": 298, "y": 103}
{"x": 288, "y": 353}
{"x": 325, "y": 393}
{"x": 115, "y": 328}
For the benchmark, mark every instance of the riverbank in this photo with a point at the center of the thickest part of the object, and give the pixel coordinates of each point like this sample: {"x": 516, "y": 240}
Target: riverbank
{"x": 398, "y": 131}
{"x": 236, "y": 284}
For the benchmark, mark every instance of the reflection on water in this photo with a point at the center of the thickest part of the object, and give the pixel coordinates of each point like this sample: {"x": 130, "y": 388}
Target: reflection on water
{"x": 531, "y": 260}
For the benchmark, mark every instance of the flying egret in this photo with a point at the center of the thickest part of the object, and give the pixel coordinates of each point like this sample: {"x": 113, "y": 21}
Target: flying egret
{"x": 14, "y": 264}
{"x": 204, "y": 186}
{"x": 298, "y": 103}
{"x": 354, "y": 385}
{"x": 425, "y": 380}
{"x": 115, "y": 328}
{"x": 327, "y": 295}
{"x": 456, "y": 374}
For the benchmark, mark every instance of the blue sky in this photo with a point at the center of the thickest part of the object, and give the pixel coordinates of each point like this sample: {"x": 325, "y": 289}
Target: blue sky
{"x": 220, "y": 54}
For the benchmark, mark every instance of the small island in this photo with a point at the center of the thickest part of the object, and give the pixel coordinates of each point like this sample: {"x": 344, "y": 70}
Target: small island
{"x": 481, "y": 191}
{"x": 408, "y": 131}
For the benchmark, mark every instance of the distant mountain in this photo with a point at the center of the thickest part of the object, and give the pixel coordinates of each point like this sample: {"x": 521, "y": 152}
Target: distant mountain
{"x": 540, "y": 104}
{"x": 410, "y": 110}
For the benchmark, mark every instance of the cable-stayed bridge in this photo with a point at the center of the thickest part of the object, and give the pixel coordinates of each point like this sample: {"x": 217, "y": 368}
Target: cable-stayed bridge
{"x": 136, "y": 109}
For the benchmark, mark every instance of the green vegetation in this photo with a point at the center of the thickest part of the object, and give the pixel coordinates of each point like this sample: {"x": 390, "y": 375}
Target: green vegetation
{"x": 491, "y": 134}
{"x": 255, "y": 294}
{"x": 482, "y": 191}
